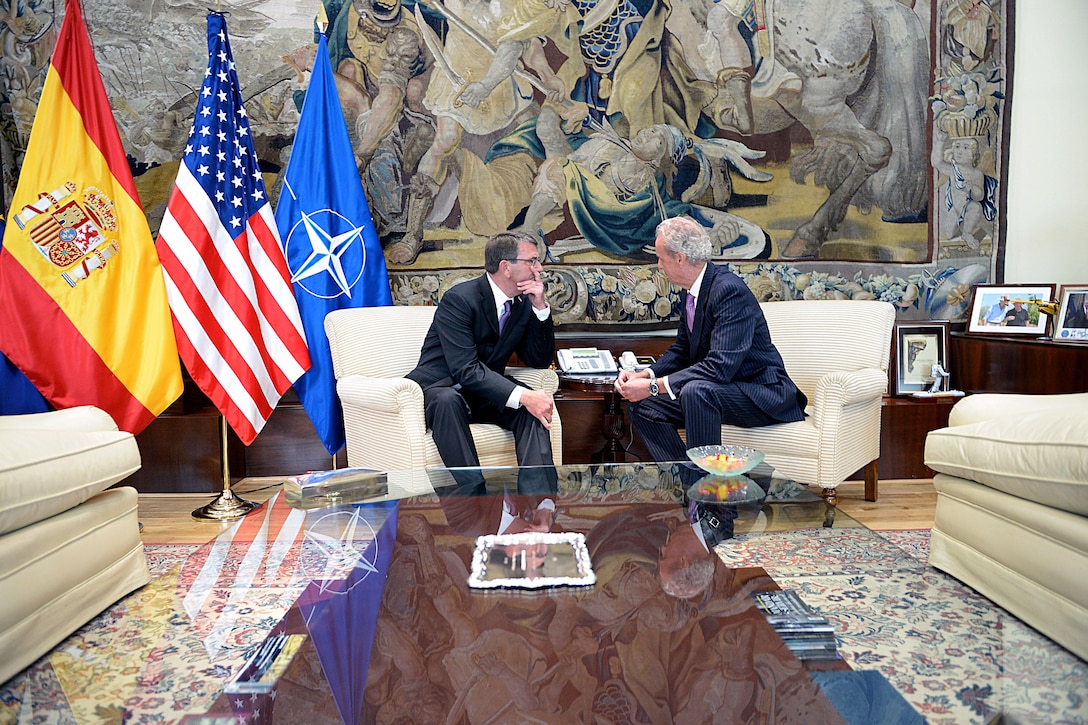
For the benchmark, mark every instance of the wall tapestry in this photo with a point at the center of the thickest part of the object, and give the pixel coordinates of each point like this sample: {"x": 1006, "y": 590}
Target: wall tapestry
{"x": 834, "y": 148}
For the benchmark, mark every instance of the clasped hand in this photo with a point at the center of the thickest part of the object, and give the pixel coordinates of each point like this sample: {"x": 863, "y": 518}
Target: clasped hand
{"x": 633, "y": 386}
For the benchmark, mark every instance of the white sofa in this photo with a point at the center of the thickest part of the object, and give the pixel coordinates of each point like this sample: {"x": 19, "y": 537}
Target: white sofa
{"x": 68, "y": 547}
{"x": 1012, "y": 507}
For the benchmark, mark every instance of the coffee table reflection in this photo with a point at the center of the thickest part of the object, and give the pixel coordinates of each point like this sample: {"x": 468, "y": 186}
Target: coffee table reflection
{"x": 667, "y": 633}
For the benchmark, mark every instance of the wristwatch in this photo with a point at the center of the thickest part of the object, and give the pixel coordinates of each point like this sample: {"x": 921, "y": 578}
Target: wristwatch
{"x": 654, "y": 387}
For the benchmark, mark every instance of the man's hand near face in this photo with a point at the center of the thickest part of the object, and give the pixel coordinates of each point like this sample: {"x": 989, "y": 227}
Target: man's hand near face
{"x": 533, "y": 288}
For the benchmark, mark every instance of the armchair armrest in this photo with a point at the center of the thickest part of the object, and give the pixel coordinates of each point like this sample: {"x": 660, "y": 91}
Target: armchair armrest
{"x": 535, "y": 378}
{"x": 383, "y": 395}
{"x": 383, "y": 422}
{"x": 841, "y": 388}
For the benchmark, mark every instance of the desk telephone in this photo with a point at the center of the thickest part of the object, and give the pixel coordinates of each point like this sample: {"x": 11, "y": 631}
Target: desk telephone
{"x": 590, "y": 360}
{"x": 586, "y": 360}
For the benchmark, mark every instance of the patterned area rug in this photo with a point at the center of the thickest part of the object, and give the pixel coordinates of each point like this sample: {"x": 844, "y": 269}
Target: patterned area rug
{"x": 161, "y": 558}
{"x": 949, "y": 651}
{"x": 955, "y": 657}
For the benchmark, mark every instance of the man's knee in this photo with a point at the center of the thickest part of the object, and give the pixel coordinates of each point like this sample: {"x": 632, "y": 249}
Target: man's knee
{"x": 444, "y": 398}
{"x": 442, "y": 402}
{"x": 526, "y": 420}
{"x": 650, "y": 411}
{"x": 696, "y": 392}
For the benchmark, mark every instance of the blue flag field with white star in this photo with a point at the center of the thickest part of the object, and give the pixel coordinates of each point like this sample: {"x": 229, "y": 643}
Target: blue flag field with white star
{"x": 329, "y": 240}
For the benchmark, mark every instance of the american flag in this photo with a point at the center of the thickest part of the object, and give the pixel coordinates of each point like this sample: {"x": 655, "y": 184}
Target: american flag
{"x": 251, "y": 571}
{"x": 235, "y": 316}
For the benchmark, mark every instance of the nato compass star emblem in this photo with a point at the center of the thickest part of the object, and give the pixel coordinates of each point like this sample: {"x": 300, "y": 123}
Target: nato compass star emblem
{"x": 340, "y": 549}
{"x": 325, "y": 253}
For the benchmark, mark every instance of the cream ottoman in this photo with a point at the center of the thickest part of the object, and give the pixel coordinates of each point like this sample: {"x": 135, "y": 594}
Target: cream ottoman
{"x": 1012, "y": 507}
{"x": 68, "y": 547}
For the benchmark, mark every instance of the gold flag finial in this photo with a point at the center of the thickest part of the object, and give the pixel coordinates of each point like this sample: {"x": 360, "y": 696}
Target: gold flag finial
{"x": 322, "y": 19}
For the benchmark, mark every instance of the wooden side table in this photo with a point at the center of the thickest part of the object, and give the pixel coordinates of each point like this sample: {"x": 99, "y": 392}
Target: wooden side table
{"x": 613, "y": 428}
{"x": 904, "y": 424}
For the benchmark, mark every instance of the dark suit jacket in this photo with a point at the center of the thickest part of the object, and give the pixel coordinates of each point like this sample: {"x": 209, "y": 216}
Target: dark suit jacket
{"x": 463, "y": 345}
{"x": 730, "y": 343}
{"x": 1076, "y": 316}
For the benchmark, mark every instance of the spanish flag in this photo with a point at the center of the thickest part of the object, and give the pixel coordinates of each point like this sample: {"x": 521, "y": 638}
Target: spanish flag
{"x": 83, "y": 310}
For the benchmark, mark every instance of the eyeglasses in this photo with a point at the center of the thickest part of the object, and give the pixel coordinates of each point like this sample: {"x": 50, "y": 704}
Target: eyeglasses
{"x": 532, "y": 261}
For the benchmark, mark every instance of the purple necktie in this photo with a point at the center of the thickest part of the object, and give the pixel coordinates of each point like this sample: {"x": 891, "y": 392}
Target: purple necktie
{"x": 690, "y": 305}
{"x": 504, "y": 316}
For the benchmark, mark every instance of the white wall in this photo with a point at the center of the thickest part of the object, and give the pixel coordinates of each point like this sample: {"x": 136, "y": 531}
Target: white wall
{"x": 1047, "y": 222}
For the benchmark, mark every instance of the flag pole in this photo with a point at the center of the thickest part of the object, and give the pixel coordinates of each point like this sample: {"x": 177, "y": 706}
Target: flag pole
{"x": 226, "y": 505}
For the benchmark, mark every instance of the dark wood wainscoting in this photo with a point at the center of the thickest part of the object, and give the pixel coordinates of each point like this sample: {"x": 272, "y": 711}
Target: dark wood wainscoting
{"x": 182, "y": 450}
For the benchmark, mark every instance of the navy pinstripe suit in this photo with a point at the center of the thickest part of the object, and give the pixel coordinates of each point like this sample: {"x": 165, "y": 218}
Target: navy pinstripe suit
{"x": 726, "y": 370}
{"x": 464, "y": 348}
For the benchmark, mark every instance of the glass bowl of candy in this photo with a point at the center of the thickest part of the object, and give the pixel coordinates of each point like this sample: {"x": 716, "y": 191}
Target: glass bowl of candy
{"x": 725, "y": 460}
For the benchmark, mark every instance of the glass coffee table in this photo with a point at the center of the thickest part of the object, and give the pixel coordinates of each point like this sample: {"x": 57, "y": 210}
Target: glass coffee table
{"x": 361, "y": 612}
{"x": 667, "y": 632}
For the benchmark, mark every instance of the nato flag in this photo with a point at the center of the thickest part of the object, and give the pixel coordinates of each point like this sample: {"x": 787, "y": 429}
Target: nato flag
{"x": 329, "y": 240}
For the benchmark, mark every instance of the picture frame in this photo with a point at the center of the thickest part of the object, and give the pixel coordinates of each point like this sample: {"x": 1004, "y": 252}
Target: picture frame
{"x": 916, "y": 348}
{"x": 995, "y": 306}
{"x": 1071, "y": 322}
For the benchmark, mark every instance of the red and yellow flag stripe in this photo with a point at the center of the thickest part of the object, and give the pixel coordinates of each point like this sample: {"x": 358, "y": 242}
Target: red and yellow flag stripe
{"x": 82, "y": 296}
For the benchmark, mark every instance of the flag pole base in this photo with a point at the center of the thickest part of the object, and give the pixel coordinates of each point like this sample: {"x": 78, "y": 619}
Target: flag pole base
{"x": 225, "y": 507}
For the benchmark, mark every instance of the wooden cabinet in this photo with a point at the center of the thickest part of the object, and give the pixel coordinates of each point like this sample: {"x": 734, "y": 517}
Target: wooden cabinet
{"x": 592, "y": 422}
{"x": 984, "y": 364}
{"x": 180, "y": 453}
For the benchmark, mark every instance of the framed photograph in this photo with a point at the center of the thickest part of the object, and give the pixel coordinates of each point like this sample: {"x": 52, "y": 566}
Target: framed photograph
{"x": 1071, "y": 323}
{"x": 917, "y": 349}
{"x": 1009, "y": 309}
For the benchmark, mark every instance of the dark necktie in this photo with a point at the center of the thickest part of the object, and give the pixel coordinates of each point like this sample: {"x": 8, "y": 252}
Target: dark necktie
{"x": 504, "y": 316}
{"x": 690, "y": 306}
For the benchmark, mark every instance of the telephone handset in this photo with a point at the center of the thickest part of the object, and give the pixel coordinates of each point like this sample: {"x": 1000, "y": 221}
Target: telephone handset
{"x": 631, "y": 361}
{"x": 585, "y": 360}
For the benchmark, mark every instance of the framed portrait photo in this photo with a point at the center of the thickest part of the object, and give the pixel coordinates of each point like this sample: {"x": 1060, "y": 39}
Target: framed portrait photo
{"x": 917, "y": 349}
{"x": 1071, "y": 323}
{"x": 1009, "y": 309}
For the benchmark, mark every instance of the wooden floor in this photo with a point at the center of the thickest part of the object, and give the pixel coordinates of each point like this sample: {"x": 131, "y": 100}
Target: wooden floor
{"x": 168, "y": 518}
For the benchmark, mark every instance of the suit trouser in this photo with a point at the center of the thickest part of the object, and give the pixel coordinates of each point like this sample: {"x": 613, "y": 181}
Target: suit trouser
{"x": 701, "y": 409}
{"x": 448, "y": 414}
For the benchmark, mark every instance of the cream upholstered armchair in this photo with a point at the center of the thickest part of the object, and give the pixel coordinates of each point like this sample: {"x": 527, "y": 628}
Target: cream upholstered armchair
{"x": 372, "y": 349}
{"x": 836, "y": 351}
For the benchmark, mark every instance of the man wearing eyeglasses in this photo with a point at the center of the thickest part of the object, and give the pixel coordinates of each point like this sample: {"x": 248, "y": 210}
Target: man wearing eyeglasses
{"x": 478, "y": 327}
